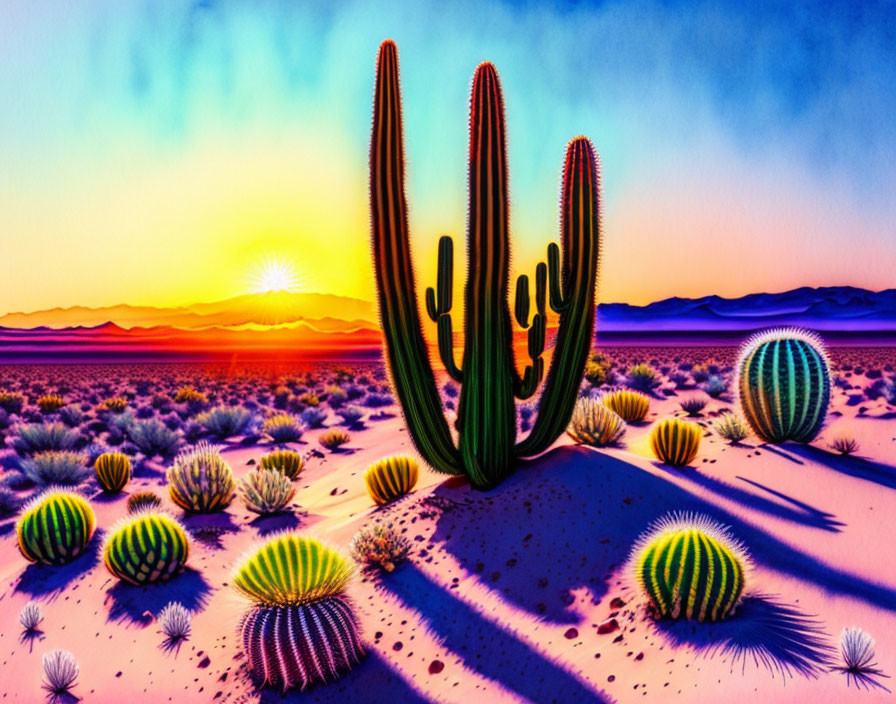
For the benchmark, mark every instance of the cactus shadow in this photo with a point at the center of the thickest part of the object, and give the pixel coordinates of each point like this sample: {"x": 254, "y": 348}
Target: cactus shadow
{"x": 129, "y": 603}
{"x": 508, "y": 660}
{"x": 276, "y": 522}
{"x": 858, "y": 467}
{"x": 765, "y": 631}
{"x": 567, "y": 521}
{"x": 48, "y": 581}
{"x": 797, "y": 511}
{"x": 371, "y": 675}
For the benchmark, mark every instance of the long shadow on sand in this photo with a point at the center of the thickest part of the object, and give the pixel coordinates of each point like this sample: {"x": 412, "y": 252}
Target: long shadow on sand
{"x": 858, "y": 467}
{"x": 48, "y": 581}
{"x": 764, "y": 631}
{"x": 506, "y": 659}
{"x": 568, "y": 520}
{"x": 372, "y": 678}
{"x": 128, "y": 603}
{"x": 800, "y": 512}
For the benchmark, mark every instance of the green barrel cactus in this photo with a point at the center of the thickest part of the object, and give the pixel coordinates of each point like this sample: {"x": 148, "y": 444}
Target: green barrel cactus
{"x": 146, "y": 547}
{"x": 301, "y": 628}
{"x": 784, "y": 382}
{"x": 487, "y": 447}
{"x": 688, "y": 566}
{"x": 55, "y": 527}
{"x": 113, "y": 471}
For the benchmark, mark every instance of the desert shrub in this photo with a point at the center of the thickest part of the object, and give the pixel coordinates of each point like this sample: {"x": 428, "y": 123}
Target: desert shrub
{"x": 50, "y": 403}
{"x": 631, "y": 406}
{"x": 175, "y": 621}
{"x": 595, "y": 374}
{"x": 200, "y": 480}
{"x": 715, "y": 386}
{"x": 114, "y": 404}
{"x": 379, "y": 547}
{"x": 334, "y": 438}
{"x": 11, "y": 401}
{"x": 60, "y": 673}
{"x": 224, "y": 422}
{"x": 845, "y": 445}
{"x": 64, "y": 467}
{"x": 692, "y": 405}
{"x": 266, "y": 491}
{"x": 40, "y": 437}
{"x": 378, "y": 400}
{"x": 857, "y": 660}
{"x": 594, "y": 424}
{"x": 153, "y": 438}
{"x": 336, "y": 397}
{"x": 190, "y": 396}
{"x": 700, "y": 372}
{"x": 72, "y": 416}
{"x": 301, "y": 629}
{"x": 286, "y": 462}
{"x": 146, "y": 547}
{"x": 10, "y": 503}
{"x": 160, "y": 402}
{"x": 888, "y": 391}
{"x": 55, "y": 527}
{"x": 687, "y": 549}
{"x": 15, "y": 479}
{"x": 31, "y": 617}
{"x": 642, "y": 377}
{"x": 282, "y": 428}
{"x": 731, "y": 427}
{"x": 309, "y": 399}
{"x": 141, "y": 500}
{"x": 391, "y": 478}
{"x": 675, "y": 441}
{"x": 113, "y": 471}
{"x": 313, "y": 416}
{"x": 350, "y": 414}
{"x": 680, "y": 379}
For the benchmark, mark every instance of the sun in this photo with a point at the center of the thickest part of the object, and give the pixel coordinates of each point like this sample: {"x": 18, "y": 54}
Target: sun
{"x": 274, "y": 274}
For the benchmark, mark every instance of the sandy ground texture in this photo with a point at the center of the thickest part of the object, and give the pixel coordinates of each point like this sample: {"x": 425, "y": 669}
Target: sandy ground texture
{"x": 517, "y": 594}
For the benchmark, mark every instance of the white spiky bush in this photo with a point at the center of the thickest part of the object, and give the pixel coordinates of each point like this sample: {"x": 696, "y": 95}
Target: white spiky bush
{"x": 858, "y": 659}
{"x": 266, "y": 491}
{"x": 60, "y": 672}
{"x": 31, "y": 617}
{"x": 175, "y": 621}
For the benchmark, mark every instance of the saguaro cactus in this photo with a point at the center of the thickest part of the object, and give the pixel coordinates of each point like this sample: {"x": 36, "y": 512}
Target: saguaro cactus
{"x": 487, "y": 446}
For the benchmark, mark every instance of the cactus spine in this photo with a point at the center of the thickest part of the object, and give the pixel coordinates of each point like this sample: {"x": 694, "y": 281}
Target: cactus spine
{"x": 487, "y": 448}
{"x": 784, "y": 384}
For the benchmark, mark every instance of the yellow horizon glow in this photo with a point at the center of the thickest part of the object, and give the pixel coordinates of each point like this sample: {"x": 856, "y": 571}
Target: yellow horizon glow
{"x": 274, "y": 274}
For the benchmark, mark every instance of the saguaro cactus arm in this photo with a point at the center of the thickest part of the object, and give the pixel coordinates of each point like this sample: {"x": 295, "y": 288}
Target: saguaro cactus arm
{"x": 439, "y": 312}
{"x": 574, "y": 295}
{"x": 406, "y": 350}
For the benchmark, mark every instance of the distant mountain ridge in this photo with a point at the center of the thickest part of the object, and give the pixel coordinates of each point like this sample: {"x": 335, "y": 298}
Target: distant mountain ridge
{"x": 831, "y": 308}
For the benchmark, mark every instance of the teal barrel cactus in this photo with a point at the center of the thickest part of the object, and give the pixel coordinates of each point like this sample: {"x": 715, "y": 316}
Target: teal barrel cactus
{"x": 784, "y": 382}
{"x": 688, "y": 566}
{"x": 487, "y": 447}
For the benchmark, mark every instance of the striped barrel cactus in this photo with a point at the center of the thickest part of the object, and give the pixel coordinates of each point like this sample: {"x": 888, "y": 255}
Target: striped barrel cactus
{"x": 631, "y": 406}
{"x": 200, "y": 480}
{"x": 487, "y": 447}
{"x": 391, "y": 478}
{"x": 288, "y": 462}
{"x": 594, "y": 424}
{"x": 676, "y": 441}
{"x": 301, "y": 628}
{"x": 784, "y": 382}
{"x": 113, "y": 471}
{"x": 55, "y": 527}
{"x": 146, "y": 547}
{"x": 688, "y": 566}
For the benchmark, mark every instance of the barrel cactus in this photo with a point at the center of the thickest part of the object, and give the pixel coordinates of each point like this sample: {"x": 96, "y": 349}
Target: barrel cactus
{"x": 287, "y": 462}
{"x": 487, "y": 448}
{"x": 55, "y": 527}
{"x": 113, "y": 471}
{"x": 200, "y": 480}
{"x": 266, "y": 491}
{"x": 146, "y": 547}
{"x": 594, "y": 424}
{"x": 784, "y": 383}
{"x": 688, "y": 566}
{"x": 391, "y": 478}
{"x": 301, "y": 628}
{"x": 631, "y": 406}
{"x": 676, "y": 441}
